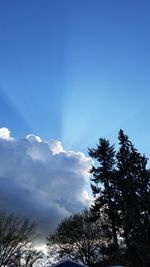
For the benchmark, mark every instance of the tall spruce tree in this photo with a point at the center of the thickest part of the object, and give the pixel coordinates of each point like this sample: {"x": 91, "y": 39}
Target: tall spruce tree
{"x": 126, "y": 185}
{"x": 121, "y": 189}
{"x": 103, "y": 186}
{"x": 132, "y": 182}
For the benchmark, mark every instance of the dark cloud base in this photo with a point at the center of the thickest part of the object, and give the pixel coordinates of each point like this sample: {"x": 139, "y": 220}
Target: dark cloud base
{"x": 40, "y": 180}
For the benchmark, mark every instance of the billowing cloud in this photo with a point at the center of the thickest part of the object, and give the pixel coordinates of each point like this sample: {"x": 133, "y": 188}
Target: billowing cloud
{"x": 41, "y": 180}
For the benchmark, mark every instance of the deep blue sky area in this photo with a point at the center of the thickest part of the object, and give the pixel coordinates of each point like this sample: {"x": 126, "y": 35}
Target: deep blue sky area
{"x": 76, "y": 70}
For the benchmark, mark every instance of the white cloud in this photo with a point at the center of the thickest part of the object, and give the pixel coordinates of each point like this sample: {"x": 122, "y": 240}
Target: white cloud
{"x": 56, "y": 146}
{"x": 4, "y": 133}
{"x": 40, "y": 179}
{"x": 33, "y": 138}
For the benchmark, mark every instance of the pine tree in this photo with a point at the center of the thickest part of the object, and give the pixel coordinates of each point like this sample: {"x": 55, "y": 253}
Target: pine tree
{"x": 126, "y": 185}
{"x": 133, "y": 189}
{"x": 121, "y": 190}
{"x": 103, "y": 185}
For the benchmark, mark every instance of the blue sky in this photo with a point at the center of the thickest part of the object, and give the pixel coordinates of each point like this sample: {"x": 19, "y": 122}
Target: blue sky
{"x": 76, "y": 70}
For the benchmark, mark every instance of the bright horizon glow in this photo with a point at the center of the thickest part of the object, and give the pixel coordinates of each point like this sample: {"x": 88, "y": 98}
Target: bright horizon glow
{"x": 42, "y": 248}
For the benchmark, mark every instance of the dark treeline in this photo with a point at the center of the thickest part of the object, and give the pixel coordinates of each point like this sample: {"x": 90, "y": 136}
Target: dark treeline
{"x": 117, "y": 228}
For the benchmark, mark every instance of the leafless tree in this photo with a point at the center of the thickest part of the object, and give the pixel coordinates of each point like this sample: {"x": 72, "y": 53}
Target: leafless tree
{"x": 15, "y": 236}
{"x": 27, "y": 257}
{"x": 80, "y": 239}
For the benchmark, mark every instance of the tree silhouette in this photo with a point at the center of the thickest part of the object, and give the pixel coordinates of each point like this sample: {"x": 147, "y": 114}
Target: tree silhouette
{"x": 16, "y": 235}
{"x": 80, "y": 239}
{"x": 121, "y": 190}
{"x": 103, "y": 186}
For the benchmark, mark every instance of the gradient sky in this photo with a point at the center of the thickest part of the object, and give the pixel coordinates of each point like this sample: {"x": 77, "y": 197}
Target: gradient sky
{"x": 76, "y": 70}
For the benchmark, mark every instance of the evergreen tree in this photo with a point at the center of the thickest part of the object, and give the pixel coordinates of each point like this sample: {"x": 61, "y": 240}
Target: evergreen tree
{"x": 121, "y": 189}
{"x": 126, "y": 185}
{"x": 103, "y": 185}
{"x": 132, "y": 182}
